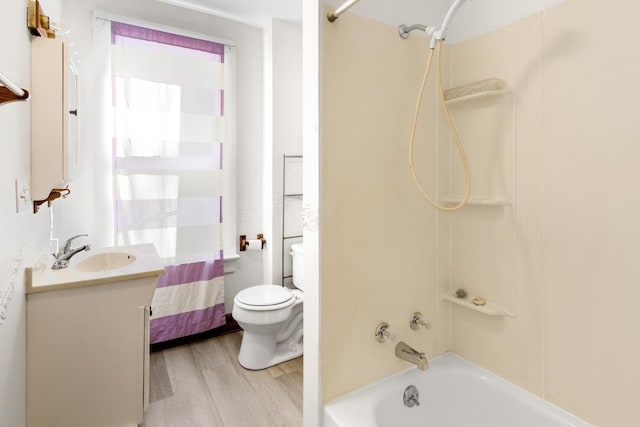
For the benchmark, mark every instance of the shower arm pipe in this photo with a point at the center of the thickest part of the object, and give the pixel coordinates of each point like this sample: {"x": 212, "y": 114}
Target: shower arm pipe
{"x": 335, "y": 13}
{"x": 404, "y": 30}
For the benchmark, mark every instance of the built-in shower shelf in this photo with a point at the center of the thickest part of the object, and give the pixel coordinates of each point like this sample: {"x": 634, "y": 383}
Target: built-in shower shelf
{"x": 479, "y": 95}
{"x": 478, "y": 202}
{"x": 476, "y": 90}
{"x": 490, "y": 309}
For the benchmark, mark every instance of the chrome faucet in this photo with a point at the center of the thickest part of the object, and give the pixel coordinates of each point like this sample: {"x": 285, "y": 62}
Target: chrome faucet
{"x": 406, "y": 352}
{"x": 64, "y": 255}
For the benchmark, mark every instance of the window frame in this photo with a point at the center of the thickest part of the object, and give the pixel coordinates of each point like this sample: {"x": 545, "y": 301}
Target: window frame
{"x": 229, "y": 171}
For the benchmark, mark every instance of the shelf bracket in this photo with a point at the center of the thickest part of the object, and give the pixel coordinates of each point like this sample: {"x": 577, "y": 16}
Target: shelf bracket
{"x": 53, "y": 195}
{"x": 9, "y": 92}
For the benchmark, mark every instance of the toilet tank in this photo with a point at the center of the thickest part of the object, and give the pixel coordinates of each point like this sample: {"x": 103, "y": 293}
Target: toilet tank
{"x": 298, "y": 265}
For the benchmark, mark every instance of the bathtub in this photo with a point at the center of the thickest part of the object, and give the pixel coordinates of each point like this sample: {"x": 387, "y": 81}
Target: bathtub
{"x": 452, "y": 393}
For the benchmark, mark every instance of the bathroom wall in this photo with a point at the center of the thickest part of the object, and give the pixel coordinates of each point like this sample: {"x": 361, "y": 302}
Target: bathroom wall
{"x": 478, "y": 17}
{"x": 24, "y": 235}
{"x": 377, "y": 236}
{"x": 571, "y": 239}
{"x": 494, "y": 252}
{"x": 283, "y": 135}
{"x": 574, "y": 339}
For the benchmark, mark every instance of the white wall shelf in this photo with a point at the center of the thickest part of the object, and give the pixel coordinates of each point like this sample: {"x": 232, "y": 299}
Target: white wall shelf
{"x": 476, "y": 90}
{"x": 478, "y": 95}
{"x": 478, "y": 202}
{"x": 490, "y": 308}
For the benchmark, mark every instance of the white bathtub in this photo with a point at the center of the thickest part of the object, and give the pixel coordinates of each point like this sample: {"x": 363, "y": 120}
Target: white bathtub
{"x": 453, "y": 393}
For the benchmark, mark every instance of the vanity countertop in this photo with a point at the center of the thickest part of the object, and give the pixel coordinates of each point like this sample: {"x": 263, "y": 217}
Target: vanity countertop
{"x": 41, "y": 278}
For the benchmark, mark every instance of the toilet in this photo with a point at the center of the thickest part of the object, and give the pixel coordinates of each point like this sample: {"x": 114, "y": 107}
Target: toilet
{"x": 271, "y": 316}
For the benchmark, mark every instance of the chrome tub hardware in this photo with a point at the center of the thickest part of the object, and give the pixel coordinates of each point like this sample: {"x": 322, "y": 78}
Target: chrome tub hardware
{"x": 382, "y": 333}
{"x": 64, "y": 255}
{"x": 411, "y": 396}
{"x": 405, "y": 352}
{"x": 416, "y": 322}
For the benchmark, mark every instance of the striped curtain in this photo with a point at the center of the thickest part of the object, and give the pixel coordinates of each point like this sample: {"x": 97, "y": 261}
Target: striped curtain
{"x": 168, "y": 99}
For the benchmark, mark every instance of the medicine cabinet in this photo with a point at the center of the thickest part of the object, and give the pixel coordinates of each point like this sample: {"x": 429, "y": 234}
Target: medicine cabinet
{"x": 54, "y": 119}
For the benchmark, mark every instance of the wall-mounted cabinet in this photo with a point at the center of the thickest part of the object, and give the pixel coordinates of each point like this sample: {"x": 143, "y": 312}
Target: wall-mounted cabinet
{"x": 54, "y": 118}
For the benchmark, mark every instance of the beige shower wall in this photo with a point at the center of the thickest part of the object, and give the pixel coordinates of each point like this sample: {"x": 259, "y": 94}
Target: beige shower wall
{"x": 576, "y": 337}
{"x": 377, "y": 237}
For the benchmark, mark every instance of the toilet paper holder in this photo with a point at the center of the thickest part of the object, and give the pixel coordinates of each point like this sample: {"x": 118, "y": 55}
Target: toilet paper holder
{"x": 246, "y": 244}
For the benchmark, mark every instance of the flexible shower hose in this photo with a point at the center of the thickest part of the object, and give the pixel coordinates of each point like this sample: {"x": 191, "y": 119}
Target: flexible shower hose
{"x": 452, "y": 129}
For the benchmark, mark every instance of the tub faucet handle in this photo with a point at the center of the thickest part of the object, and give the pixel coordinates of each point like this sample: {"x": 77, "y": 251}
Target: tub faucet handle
{"x": 416, "y": 322}
{"x": 382, "y": 332}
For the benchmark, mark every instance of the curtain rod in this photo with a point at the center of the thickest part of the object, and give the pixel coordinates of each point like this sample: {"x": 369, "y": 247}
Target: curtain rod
{"x": 335, "y": 13}
{"x": 11, "y": 86}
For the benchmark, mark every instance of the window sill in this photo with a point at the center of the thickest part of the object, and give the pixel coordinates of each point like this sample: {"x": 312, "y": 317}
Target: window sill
{"x": 230, "y": 262}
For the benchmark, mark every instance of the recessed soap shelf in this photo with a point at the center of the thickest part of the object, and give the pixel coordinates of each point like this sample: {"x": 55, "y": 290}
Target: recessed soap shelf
{"x": 489, "y": 308}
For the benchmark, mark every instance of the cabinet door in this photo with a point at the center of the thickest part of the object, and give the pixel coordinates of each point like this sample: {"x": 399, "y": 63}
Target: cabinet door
{"x": 54, "y": 128}
{"x": 71, "y": 146}
{"x": 144, "y": 313}
{"x": 147, "y": 344}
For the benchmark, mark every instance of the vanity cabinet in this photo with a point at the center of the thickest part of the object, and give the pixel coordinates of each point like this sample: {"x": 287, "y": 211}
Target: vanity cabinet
{"x": 54, "y": 116}
{"x": 88, "y": 349}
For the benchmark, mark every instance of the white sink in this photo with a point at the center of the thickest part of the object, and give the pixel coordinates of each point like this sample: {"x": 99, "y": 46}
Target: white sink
{"x": 99, "y": 266}
{"x": 105, "y": 261}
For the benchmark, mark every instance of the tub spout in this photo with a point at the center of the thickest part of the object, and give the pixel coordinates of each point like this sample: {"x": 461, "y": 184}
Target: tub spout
{"x": 406, "y": 352}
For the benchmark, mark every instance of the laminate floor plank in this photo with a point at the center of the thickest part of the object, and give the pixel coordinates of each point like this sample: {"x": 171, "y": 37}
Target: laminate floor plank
{"x": 277, "y": 401}
{"x": 292, "y": 385}
{"x": 203, "y": 385}
{"x": 213, "y": 353}
{"x": 191, "y": 404}
{"x": 159, "y": 382}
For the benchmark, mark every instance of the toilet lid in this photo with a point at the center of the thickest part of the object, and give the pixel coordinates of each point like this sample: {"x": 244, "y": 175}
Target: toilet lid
{"x": 264, "y": 295}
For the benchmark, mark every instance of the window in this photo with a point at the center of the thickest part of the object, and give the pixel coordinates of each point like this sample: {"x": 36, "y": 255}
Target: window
{"x": 172, "y": 124}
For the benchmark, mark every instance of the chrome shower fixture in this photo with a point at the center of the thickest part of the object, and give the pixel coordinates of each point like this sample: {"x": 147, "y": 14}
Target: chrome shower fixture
{"x": 435, "y": 33}
{"x": 416, "y": 322}
{"x": 404, "y": 30}
{"x": 382, "y": 332}
{"x": 335, "y": 13}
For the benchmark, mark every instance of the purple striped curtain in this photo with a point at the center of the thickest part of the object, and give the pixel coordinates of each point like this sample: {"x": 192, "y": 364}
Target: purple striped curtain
{"x": 168, "y": 109}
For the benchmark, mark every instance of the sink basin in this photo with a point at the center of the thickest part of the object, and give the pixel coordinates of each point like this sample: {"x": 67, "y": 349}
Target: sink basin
{"x": 101, "y": 266}
{"x": 105, "y": 261}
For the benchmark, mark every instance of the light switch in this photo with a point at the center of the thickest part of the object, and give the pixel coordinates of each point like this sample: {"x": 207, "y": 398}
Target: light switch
{"x": 23, "y": 195}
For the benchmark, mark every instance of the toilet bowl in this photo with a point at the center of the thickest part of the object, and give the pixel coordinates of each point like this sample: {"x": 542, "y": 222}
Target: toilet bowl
{"x": 271, "y": 316}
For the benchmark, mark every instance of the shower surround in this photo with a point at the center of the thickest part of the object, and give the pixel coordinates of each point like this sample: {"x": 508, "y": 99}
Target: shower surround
{"x": 573, "y": 213}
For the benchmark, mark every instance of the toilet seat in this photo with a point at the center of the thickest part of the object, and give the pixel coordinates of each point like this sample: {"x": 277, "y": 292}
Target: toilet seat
{"x": 264, "y": 298}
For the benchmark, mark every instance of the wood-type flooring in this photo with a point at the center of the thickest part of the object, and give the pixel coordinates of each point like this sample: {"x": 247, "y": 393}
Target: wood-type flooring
{"x": 202, "y": 384}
